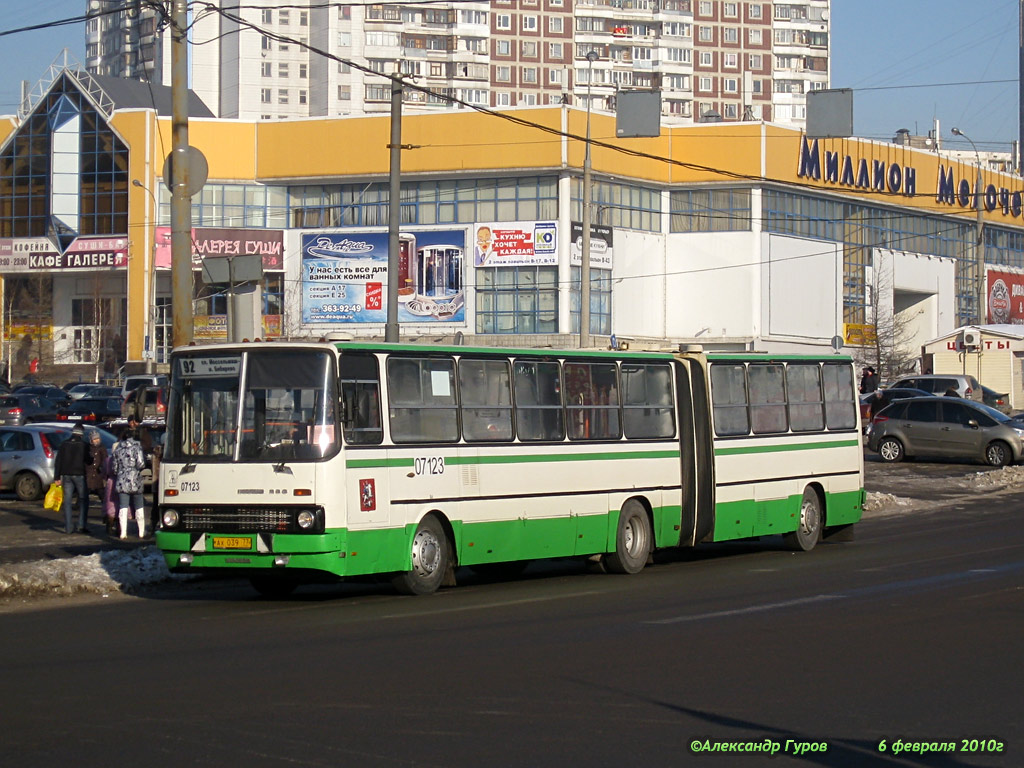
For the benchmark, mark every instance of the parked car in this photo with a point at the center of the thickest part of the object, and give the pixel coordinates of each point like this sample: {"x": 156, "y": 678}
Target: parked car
{"x": 55, "y": 394}
{"x": 137, "y": 380}
{"x": 28, "y": 455}
{"x": 145, "y": 403}
{"x": 18, "y": 409}
{"x": 937, "y": 383}
{"x": 889, "y": 395}
{"x": 93, "y": 410}
{"x": 993, "y": 399}
{"x": 84, "y": 389}
{"x": 948, "y": 427}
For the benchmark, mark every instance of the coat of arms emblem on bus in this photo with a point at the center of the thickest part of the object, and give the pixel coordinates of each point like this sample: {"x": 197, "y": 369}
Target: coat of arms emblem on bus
{"x": 367, "y": 496}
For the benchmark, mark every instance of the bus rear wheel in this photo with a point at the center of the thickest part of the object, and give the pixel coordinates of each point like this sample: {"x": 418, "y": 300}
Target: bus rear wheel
{"x": 430, "y": 560}
{"x": 808, "y": 531}
{"x": 632, "y": 540}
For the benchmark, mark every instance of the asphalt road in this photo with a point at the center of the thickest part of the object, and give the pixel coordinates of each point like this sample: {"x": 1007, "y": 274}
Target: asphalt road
{"x": 911, "y": 633}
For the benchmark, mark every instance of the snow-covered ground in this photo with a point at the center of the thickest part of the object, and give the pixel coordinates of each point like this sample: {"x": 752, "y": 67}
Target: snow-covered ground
{"x": 128, "y": 571}
{"x": 113, "y": 570}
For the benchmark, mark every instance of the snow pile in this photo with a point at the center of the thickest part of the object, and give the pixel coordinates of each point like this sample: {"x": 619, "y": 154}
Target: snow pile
{"x": 884, "y": 502}
{"x": 103, "y": 572}
{"x": 1006, "y": 477}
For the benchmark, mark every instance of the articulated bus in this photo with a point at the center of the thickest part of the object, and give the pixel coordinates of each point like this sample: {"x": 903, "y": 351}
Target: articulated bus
{"x": 291, "y": 462}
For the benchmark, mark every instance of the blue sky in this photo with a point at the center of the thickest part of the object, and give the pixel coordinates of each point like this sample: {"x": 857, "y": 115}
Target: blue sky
{"x": 908, "y": 62}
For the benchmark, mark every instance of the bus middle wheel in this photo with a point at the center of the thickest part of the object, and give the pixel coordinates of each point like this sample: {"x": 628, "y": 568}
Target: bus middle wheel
{"x": 633, "y": 540}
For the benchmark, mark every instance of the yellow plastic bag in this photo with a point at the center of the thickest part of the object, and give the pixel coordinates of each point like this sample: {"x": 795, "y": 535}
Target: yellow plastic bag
{"x": 54, "y": 497}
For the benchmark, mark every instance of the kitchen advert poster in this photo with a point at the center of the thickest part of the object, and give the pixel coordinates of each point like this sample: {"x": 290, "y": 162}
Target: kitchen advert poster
{"x": 345, "y": 277}
{"x": 515, "y": 244}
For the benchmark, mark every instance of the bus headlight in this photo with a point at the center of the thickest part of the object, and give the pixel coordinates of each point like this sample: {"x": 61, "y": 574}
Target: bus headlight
{"x": 306, "y": 519}
{"x": 171, "y": 518}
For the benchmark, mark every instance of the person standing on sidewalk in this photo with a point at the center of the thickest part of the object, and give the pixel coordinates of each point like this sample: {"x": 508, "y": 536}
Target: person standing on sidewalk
{"x": 97, "y": 475}
{"x": 127, "y": 463}
{"x": 151, "y": 448}
{"x": 73, "y": 457}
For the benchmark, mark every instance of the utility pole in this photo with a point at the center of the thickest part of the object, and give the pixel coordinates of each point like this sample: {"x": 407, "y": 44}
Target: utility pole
{"x": 391, "y": 331}
{"x": 587, "y": 204}
{"x": 181, "y": 200}
{"x": 979, "y": 253}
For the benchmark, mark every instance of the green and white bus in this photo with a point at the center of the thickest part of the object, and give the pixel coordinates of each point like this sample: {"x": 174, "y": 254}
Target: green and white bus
{"x": 287, "y": 462}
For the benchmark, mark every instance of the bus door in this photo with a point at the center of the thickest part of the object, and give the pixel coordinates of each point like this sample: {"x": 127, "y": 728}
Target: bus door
{"x": 366, "y": 491}
{"x": 423, "y": 424}
{"x": 696, "y": 451}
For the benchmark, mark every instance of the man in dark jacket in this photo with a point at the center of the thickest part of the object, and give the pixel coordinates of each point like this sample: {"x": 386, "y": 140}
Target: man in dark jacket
{"x": 72, "y": 458}
{"x": 868, "y": 380}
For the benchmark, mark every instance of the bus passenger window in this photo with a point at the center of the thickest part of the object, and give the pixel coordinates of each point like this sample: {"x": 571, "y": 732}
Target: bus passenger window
{"x": 767, "y": 398}
{"x": 840, "y": 412}
{"x": 486, "y": 398}
{"x": 729, "y": 394}
{"x": 538, "y": 395}
{"x": 592, "y": 401}
{"x": 647, "y": 401}
{"x": 360, "y": 397}
{"x": 803, "y": 383}
{"x": 422, "y": 406}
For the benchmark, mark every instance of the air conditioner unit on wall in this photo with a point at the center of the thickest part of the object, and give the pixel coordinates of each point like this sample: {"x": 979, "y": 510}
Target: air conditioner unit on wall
{"x": 971, "y": 338}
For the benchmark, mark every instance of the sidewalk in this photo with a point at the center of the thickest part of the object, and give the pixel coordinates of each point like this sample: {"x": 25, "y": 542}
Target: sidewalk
{"x": 28, "y": 533}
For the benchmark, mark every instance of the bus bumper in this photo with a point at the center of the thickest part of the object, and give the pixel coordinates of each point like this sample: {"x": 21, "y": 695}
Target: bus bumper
{"x": 198, "y": 552}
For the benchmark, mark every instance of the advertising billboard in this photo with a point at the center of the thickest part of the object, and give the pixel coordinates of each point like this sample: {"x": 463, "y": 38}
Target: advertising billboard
{"x": 345, "y": 277}
{"x": 39, "y": 254}
{"x": 600, "y": 245}
{"x": 515, "y": 244}
{"x": 1005, "y": 297}
{"x": 215, "y": 242}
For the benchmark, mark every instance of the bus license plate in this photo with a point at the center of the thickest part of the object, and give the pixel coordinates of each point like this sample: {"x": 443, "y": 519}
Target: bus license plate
{"x": 232, "y": 542}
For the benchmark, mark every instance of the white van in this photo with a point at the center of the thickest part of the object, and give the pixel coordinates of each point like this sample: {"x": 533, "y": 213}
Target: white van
{"x": 136, "y": 380}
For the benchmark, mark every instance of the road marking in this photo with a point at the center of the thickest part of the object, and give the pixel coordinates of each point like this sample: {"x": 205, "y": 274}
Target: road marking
{"x": 486, "y": 606}
{"x": 907, "y": 585}
{"x": 748, "y": 609}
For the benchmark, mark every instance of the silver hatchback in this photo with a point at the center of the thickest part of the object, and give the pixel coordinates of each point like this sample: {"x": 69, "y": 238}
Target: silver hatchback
{"x": 26, "y": 459}
{"x": 28, "y": 455}
{"x": 945, "y": 427}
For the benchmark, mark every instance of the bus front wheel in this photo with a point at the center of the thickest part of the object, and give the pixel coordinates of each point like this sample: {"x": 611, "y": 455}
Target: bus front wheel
{"x": 632, "y": 540}
{"x": 430, "y": 558}
{"x": 808, "y": 531}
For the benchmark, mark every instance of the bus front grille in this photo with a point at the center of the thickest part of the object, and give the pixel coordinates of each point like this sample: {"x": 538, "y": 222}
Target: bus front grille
{"x": 239, "y": 519}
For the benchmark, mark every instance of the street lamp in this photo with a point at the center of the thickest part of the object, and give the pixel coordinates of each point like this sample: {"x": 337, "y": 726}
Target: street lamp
{"x": 585, "y": 249}
{"x": 980, "y": 246}
{"x": 149, "y": 349}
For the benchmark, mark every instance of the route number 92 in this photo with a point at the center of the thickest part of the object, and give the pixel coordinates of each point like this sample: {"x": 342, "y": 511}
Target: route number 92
{"x": 433, "y": 465}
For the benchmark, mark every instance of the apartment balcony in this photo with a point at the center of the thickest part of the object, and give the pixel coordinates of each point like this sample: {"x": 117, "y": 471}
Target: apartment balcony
{"x": 593, "y": 37}
{"x": 619, "y": 9}
{"x": 377, "y": 14}
{"x": 674, "y": 9}
{"x": 392, "y": 52}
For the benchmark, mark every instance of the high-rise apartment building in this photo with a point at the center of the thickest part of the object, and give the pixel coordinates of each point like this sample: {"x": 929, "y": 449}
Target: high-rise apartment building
{"x": 710, "y": 59}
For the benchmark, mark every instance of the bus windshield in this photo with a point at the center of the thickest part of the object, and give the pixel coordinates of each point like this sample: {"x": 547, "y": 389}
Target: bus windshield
{"x": 261, "y": 405}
